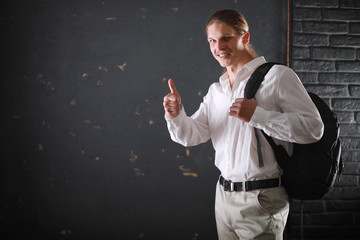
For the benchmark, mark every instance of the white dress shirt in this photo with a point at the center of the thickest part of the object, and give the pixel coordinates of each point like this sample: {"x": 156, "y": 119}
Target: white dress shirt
{"x": 285, "y": 112}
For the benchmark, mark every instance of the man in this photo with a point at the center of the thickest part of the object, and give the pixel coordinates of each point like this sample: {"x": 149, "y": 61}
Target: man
{"x": 250, "y": 201}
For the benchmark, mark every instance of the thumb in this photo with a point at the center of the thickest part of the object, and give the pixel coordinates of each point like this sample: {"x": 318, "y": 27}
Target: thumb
{"x": 172, "y": 86}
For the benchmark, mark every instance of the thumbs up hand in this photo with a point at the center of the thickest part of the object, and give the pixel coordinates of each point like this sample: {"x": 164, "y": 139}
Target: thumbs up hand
{"x": 172, "y": 101}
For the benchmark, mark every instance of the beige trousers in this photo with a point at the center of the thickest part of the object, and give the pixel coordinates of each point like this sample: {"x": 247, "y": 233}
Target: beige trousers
{"x": 259, "y": 214}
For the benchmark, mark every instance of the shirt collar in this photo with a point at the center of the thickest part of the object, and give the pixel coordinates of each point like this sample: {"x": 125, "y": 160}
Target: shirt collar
{"x": 250, "y": 66}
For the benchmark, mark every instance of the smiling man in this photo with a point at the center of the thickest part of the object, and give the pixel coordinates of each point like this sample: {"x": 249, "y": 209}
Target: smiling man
{"x": 250, "y": 201}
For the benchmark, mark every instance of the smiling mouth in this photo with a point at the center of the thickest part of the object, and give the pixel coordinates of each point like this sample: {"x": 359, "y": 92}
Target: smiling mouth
{"x": 223, "y": 55}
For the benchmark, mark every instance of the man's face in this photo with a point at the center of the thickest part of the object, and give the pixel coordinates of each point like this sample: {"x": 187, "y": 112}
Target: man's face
{"x": 226, "y": 45}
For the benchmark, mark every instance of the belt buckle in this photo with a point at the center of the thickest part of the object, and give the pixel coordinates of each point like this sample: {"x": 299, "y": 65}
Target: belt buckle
{"x": 231, "y": 186}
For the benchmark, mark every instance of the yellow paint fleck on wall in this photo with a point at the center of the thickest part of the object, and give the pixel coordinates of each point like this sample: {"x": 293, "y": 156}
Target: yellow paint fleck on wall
{"x": 103, "y": 68}
{"x": 73, "y": 102}
{"x": 139, "y": 172}
{"x": 65, "y": 232}
{"x": 187, "y": 150}
{"x": 187, "y": 172}
{"x": 84, "y": 75}
{"x": 87, "y": 121}
{"x": 133, "y": 156}
{"x": 97, "y": 158}
{"x": 182, "y": 168}
{"x": 142, "y": 13}
{"x": 192, "y": 174}
{"x": 175, "y": 9}
{"x": 151, "y": 122}
{"x": 141, "y": 236}
{"x": 137, "y": 112}
{"x": 51, "y": 180}
{"x": 99, "y": 83}
{"x": 41, "y": 147}
{"x": 82, "y": 151}
{"x": 195, "y": 237}
{"x": 16, "y": 116}
{"x": 97, "y": 127}
{"x": 122, "y": 67}
{"x": 110, "y": 18}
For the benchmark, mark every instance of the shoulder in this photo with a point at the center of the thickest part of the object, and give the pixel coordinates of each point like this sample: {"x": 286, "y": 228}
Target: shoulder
{"x": 280, "y": 69}
{"x": 281, "y": 73}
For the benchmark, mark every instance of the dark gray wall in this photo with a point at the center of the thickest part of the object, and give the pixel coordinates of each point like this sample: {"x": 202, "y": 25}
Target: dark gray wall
{"x": 85, "y": 151}
{"x": 326, "y": 56}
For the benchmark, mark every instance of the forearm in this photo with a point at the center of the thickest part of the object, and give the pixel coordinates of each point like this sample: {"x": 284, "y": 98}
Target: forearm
{"x": 187, "y": 131}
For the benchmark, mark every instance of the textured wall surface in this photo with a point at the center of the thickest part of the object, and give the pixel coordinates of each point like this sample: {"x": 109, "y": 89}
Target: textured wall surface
{"x": 85, "y": 152}
{"x": 326, "y": 56}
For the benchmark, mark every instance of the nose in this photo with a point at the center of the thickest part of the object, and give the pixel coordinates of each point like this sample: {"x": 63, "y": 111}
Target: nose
{"x": 220, "y": 45}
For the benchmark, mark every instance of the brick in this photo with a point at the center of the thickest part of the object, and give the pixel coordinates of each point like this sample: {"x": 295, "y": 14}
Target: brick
{"x": 357, "y": 116}
{"x": 331, "y": 218}
{"x": 334, "y": 193}
{"x": 328, "y": 90}
{"x": 350, "y": 143}
{"x": 327, "y": 53}
{"x": 300, "y": 53}
{"x": 358, "y": 54}
{"x": 343, "y": 205}
{"x": 313, "y": 66}
{"x": 339, "y": 77}
{"x": 351, "y": 168}
{"x": 345, "y": 40}
{"x": 354, "y": 27}
{"x": 348, "y": 181}
{"x": 296, "y": 26}
{"x": 310, "y": 39}
{"x": 308, "y": 77}
{"x": 341, "y": 14}
{"x": 357, "y": 221}
{"x": 349, "y": 66}
{"x": 354, "y": 90}
{"x": 295, "y": 219}
{"x": 350, "y": 156}
{"x": 314, "y": 206}
{"x": 325, "y": 27}
{"x": 313, "y": 232}
{"x": 350, "y": 130}
{"x": 350, "y": 193}
{"x": 349, "y": 232}
{"x": 350, "y": 4}
{"x": 316, "y": 3}
{"x": 307, "y": 14}
{"x": 345, "y": 116}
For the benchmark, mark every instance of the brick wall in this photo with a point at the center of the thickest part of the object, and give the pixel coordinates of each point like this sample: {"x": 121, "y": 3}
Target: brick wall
{"x": 325, "y": 52}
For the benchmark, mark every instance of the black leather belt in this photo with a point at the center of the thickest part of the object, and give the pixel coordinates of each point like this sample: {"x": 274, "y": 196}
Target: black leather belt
{"x": 249, "y": 185}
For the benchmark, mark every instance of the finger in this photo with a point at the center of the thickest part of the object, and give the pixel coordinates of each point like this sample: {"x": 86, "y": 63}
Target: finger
{"x": 172, "y": 86}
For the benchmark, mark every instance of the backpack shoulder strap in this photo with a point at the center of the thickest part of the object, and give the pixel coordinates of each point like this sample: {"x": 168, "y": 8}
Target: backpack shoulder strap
{"x": 249, "y": 92}
{"x": 256, "y": 78}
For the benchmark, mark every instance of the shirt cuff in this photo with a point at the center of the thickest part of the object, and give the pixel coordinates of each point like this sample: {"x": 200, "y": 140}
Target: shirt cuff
{"x": 259, "y": 118}
{"x": 178, "y": 118}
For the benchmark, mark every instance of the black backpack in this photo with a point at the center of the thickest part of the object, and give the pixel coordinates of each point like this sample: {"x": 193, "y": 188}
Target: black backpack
{"x": 310, "y": 172}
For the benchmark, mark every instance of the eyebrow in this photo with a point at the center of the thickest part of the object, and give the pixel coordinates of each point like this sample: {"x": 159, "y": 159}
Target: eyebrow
{"x": 222, "y": 36}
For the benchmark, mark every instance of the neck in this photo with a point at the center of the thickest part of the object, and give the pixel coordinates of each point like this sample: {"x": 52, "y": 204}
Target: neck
{"x": 234, "y": 69}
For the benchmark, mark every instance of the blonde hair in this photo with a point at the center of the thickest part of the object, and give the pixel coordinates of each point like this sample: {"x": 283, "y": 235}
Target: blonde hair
{"x": 234, "y": 19}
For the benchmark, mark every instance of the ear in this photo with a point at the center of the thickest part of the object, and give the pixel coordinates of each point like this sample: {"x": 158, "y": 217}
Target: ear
{"x": 246, "y": 38}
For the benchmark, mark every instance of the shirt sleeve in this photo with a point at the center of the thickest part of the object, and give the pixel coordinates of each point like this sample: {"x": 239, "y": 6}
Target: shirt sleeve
{"x": 190, "y": 131}
{"x": 298, "y": 119}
